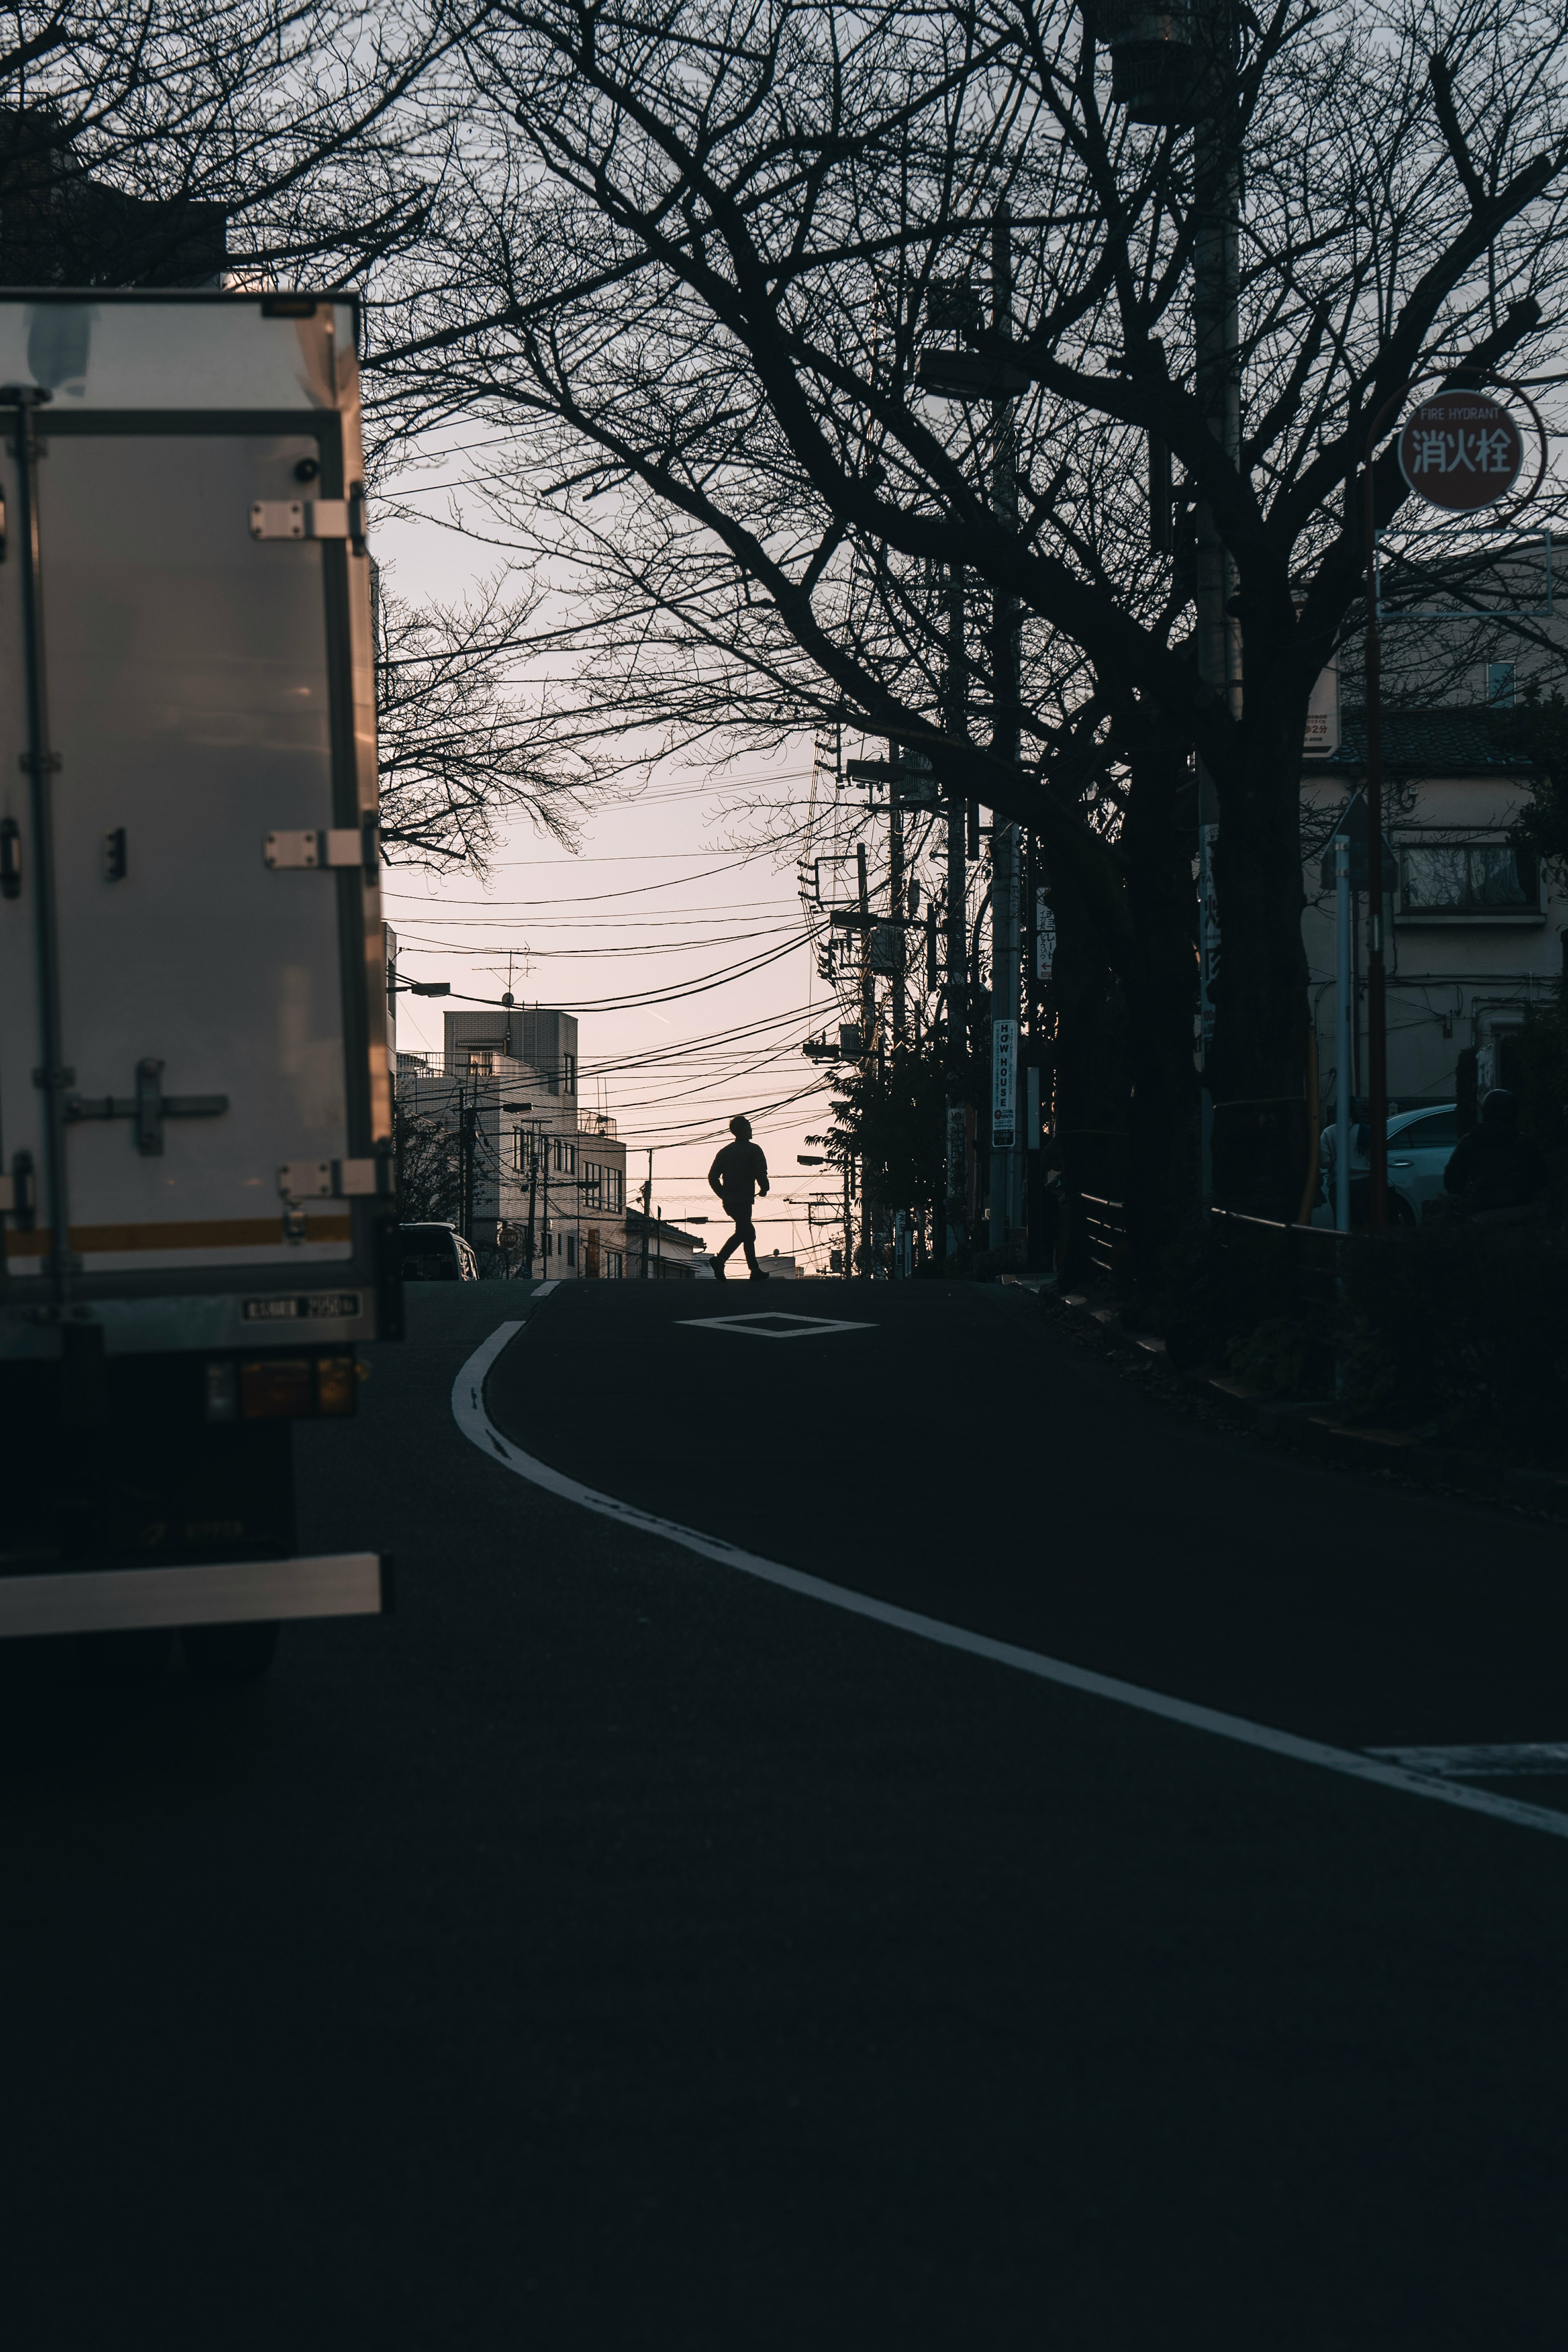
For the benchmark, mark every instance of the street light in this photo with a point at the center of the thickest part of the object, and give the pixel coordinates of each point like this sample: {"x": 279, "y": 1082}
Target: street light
{"x": 1156, "y": 67}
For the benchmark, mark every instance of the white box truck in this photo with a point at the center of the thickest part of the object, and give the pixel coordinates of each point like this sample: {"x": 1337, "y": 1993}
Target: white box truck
{"x": 195, "y": 1159}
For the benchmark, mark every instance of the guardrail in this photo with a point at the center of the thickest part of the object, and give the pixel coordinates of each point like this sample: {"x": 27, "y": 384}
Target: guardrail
{"x": 1302, "y": 1263}
{"x": 1105, "y": 1235}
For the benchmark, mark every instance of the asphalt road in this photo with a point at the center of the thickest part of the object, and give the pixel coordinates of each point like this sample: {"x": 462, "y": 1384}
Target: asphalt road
{"x": 611, "y": 1949}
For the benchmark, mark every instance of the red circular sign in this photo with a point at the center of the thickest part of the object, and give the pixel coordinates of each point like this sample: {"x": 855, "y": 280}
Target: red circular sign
{"x": 1461, "y": 451}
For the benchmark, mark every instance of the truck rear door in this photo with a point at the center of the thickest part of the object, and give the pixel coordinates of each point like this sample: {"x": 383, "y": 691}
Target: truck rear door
{"x": 195, "y": 1101}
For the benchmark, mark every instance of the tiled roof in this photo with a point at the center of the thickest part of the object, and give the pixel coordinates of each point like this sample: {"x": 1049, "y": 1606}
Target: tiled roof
{"x": 1458, "y": 742}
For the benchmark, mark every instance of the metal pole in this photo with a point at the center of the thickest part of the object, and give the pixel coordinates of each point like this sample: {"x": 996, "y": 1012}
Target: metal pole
{"x": 1376, "y": 999}
{"x": 868, "y": 978}
{"x": 1216, "y": 280}
{"x": 532, "y": 1196}
{"x": 1005, "y": 1210}
{"x": 467, "y": 1121}
{"x": 1344, "y": 1063}
{"x": 896, "y": 901}
{"x": 957, "y": 926}
{"x": 53, "y": 1078}
{"x": 647, "y": 1211}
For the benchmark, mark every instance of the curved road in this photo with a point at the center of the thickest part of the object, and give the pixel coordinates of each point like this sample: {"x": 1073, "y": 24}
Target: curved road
{"x": 612, "y": 1949}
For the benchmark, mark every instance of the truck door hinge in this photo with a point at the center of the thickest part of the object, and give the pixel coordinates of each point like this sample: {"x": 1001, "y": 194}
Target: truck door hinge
{"x": 309, "y": 518}
{"x": 149, "y": 1106}
{"x": 338, "y": 1179}
{"x": 332, "y": 846}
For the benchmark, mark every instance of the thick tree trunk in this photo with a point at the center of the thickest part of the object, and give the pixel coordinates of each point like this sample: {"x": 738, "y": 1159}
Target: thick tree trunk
{"x": 1164, "y": 1176}
{"x": 1258, "y": 1067}
{"x": 1091, "y": 1089}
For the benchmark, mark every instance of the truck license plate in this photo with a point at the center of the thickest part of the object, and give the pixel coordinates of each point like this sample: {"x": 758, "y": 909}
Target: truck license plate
{"x": 339, "y": 1306}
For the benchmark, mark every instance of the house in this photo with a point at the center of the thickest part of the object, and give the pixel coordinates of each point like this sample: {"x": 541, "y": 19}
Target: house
{"x": 547, "y": 1183}
{"x": 672, "y": 1254}
{"x": 1477, "y": 931}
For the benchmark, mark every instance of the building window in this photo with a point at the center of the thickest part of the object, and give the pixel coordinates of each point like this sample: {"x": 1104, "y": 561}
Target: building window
{"x": 592, "y": 1185}
{"x": 614, "y": 1188}
{"x": 571, "y": 1249}
{"x": 1499, "y": 685}
{"x": 1469, "y": 878}
{"x": 615, "y": 1266}
{"x": 569, "y": 1074}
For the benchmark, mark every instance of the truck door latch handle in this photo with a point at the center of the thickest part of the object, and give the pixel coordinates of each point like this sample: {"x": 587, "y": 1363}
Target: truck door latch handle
{"x": 149, "y": 1106}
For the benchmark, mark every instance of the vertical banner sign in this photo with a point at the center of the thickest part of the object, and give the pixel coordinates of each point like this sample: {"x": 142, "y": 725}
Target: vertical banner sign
{"x": 1044, "y": 936}
{"x": 1322, "y": 735}
{"x": 1004, "y": 1084}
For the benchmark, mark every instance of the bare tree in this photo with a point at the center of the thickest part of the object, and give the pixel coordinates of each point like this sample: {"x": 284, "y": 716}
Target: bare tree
{"x": 694, "y": 262}
{"x": 159, "y": 143}
{"x": 463, "y": 742}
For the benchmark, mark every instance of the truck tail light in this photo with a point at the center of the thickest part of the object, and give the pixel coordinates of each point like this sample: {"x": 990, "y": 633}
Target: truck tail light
{"x": 277, "y": 1388}
{"x": 337, "y": 1382}
{"x": 281, "y": 1388}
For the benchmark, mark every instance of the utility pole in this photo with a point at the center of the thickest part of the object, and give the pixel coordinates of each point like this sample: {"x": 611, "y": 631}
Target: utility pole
{"x": 1006, "y": 1205}
{"x": 467, "y": 1124}
{"x": 1216, "y": 280}
{"x": 867, "y": 1040}
{"x": 532, "y": 1196}
{"x": 896, "y": 898}
{"x": 647, "y": 1211}
{"x": 868, "y": 978}
{"x": 957, "y": 927}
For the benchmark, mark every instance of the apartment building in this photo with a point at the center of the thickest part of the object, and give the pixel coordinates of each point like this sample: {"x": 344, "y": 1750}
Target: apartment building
{"x": 1477, "y": 934}
{"x": 545, "y": 1182}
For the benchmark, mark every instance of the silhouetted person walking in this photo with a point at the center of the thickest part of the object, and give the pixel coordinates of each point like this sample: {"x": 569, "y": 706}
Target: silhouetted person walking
{"x": 737, "y": 1175}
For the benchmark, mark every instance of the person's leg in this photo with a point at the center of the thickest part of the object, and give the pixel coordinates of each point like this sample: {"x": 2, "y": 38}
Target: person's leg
{"x": 719, "y": 1256}
{"x": 747, "y": 1236}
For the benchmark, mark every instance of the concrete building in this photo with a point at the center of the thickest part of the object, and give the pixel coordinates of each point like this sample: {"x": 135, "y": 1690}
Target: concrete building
{"x": 1477, "y": 931}
{"x": 536, "y": 1165}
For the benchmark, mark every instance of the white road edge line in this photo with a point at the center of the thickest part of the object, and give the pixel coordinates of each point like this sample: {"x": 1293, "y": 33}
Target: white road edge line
{"x": 469, "y": 1412}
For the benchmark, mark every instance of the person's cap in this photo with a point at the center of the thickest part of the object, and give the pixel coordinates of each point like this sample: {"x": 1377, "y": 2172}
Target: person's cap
{"x": 739, "y": 1126}
{"x": 1499, "y": 1106}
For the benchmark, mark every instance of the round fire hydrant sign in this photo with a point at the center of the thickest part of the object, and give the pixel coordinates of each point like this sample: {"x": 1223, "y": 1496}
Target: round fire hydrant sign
{"x": 1461, "y": 451}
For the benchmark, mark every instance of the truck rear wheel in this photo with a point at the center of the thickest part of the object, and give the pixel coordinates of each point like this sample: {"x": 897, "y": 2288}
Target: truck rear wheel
{"x": 228, "y": 1654}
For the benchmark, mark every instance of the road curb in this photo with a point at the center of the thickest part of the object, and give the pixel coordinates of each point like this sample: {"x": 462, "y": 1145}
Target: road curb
{"x": 1314, "y": 1428}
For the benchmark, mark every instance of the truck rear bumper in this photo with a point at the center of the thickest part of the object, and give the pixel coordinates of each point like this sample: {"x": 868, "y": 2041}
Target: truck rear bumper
{"x": 232, "y": 1593}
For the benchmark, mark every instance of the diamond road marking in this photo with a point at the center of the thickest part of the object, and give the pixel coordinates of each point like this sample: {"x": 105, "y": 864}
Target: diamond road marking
{"x": 771, "y": 1327}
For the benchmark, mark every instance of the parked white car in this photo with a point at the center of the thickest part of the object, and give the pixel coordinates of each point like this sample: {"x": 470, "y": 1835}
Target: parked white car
{"x": 1420, "y": 1145}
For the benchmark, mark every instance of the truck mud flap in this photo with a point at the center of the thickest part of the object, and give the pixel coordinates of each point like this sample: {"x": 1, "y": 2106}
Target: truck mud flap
{"x": 233, "y": 1592}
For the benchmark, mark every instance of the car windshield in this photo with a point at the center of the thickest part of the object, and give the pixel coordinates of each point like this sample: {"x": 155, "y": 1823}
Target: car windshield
{"x": 1437, "y": 1130}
